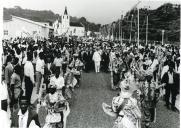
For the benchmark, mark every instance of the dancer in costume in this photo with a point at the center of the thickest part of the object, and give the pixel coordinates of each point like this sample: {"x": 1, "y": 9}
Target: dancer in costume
{"x": 125, "y": 107}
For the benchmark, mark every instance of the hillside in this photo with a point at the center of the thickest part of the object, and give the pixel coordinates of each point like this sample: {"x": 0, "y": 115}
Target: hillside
{"x": 166, "y": 17}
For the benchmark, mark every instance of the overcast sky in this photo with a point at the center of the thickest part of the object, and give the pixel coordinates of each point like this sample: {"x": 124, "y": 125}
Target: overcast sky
{"x": 98, "y": 11}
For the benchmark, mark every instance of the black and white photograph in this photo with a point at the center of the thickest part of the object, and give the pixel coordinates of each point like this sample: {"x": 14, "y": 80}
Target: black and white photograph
{"x": 90, "y": 64}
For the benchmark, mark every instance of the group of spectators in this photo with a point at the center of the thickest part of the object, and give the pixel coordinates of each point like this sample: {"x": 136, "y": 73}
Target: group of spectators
{"x": 153, "y": 71}
{"x": 58, "y": 65}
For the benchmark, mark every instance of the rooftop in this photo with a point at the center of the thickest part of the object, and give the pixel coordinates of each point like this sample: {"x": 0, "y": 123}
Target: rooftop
{"x": 27, "y": 20}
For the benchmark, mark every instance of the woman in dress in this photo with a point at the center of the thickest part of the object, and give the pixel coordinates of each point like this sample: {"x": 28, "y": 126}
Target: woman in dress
{"x": 125, "y": 107}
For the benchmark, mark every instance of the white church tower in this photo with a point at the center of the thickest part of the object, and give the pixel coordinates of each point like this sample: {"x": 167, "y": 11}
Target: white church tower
{"x": 63, "y": 26}
{"x": 65, "y": 21}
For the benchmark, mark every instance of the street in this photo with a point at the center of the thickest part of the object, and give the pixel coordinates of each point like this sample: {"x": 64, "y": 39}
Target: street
{"x": 86, "y": 109}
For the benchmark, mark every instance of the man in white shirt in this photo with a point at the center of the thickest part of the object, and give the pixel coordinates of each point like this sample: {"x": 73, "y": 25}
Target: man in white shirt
{"x": 171, "y": 89}
{"x": 58, "y": 79}
{"x": 39, "y": 70}
{"x": 97, "y": 59}
{"x": 29, "y": 76}
{"x": 23, "y": 117}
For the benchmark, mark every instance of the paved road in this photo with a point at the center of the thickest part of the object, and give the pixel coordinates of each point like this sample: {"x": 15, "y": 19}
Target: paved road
{"x": 86, "y": 109}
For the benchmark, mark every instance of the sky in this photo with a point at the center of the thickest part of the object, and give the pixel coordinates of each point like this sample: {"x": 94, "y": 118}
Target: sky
{"x": 97, "y": 11}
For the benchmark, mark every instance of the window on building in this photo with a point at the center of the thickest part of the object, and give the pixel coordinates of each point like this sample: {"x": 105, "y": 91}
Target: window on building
{"x": 67, "y": 17}
{"x": 5, "y": 32}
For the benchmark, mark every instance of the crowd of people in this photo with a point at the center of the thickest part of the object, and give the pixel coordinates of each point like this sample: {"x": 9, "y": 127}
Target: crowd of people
{"x": 144, "y": 74}
{"x": 57, "y": 65}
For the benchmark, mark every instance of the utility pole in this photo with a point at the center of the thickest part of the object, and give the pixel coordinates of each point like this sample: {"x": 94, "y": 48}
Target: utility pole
{"x": 146, "y": 29}
{"x": 131, "y": 28}
{"x": 121, "y": 30}
{"x": 138, "y": 21}
{"x": 113, "y": 33}
{"x": 138, "y": 28}
{"x": 163, "y": 36}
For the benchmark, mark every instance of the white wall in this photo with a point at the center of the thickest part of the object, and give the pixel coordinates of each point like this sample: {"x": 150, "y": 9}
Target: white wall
{"x": 80, "y": 31}
{"x": 16, "y": 26}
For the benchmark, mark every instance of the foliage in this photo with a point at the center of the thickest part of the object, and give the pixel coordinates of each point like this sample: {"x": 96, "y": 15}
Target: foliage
{"x": 166, "y": 17}
{"x": 45, "y": 16}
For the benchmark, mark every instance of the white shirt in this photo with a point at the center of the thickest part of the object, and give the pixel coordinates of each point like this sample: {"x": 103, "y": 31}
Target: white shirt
{"x": 19, "y": 57}
{"x": 38, "y": 51}
{"x": 154, "y": 64}
{"x": 112, "y": 56}
{"x": 58, "y": 62}
{"x": 96, "y": 56}
{"x": 23, "y": 119}
{"x": 4, "y": 119}
{"x": 59, "y": 82}
{"x": 48, "y": 65}
{"x": 29, "y": 70}
{"x": 3, "y": 92}
{"x": 40, "y": 66}
{"x": 170, "y": 78}
{"x": 164, "y": 70}
{"x": 24, "y": 60}
{"x": 53, "y": 97}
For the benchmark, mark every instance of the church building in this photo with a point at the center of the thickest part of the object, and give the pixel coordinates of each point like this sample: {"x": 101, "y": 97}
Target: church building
{"x": 64, "y": 27}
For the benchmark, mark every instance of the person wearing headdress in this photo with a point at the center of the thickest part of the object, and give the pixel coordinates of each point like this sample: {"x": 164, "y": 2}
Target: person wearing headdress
{"x": 125, "y": 107}
{"x": 76, "y": 65}
{"x": 116, "y": 69}
{"x": 112, "y": 56}
{"x": 149, "y": 98}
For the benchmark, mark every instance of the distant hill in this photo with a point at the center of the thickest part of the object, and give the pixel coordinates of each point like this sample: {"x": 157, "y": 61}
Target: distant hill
{"x": 45, "y": 16}
{"x": 166, "y": 17}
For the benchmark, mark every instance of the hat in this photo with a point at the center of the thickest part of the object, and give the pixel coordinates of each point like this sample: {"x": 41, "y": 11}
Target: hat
{"x": 128, "y": 86}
